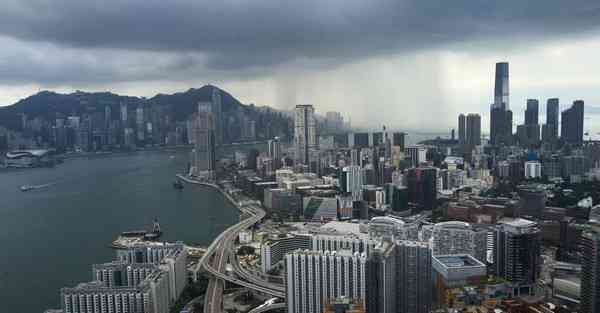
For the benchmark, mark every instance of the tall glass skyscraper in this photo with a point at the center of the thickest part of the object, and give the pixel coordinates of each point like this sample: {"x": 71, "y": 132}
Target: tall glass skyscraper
{"x": 501, "y": 86}
{"x": 500, "y": 113}
{"x": 550, "y": 129}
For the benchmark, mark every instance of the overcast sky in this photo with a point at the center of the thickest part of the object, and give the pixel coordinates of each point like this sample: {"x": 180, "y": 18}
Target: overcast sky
{"x": 408, "y": 64}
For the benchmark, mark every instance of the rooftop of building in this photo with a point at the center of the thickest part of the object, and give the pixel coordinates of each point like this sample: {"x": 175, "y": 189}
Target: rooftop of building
{"x": 459, "y": 260}
{"x": 517, "y": 222}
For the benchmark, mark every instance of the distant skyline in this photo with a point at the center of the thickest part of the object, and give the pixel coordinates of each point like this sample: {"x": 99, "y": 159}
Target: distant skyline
{"x": 403, "y": 64}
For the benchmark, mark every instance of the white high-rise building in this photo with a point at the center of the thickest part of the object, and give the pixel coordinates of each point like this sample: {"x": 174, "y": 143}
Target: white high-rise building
{"x": 533, "y": 169}
{"x": 305, "y": 133}
{"x": 313, "y": 277}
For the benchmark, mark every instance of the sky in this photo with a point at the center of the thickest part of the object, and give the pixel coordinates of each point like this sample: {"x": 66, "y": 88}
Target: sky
{"x": 406, "y": 64}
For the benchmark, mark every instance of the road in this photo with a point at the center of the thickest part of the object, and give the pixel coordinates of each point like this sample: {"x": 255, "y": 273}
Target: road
{"x": 221, "y": 250}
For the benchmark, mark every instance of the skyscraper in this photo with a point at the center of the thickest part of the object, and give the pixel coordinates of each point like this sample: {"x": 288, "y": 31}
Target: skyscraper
{"x": 552, "y": 109}
{"x": 204, "y": 145}
{"x": 217, "y": 110}
{"x": 422, "y": 187}
{"x": 529, "y": 132}
{"x": 381, "y": 279}
{"x": 274, "y": 151}
{"x": 473, "y": 130}
{"x": 590, "y": 280}
{"x": 414, "y": 292}
{"x": 305, "y": 133}
{"x": 398, "y": 140}
{"x": 532, "y": 112}
{"x": 572, "y": 123}
{"x": 462, "y": 139}
{"x": 500, "y": 113}
{"x": 517, "y": 253}
{"x": 501, "y": 90}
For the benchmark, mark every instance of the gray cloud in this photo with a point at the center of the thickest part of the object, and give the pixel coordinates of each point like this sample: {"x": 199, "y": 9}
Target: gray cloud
{"x": 235, "y": 34}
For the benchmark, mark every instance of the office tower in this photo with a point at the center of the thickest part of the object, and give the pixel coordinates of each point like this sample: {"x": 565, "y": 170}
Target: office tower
{"x": 398, "y": 140}
{"x": 529, "y": 132}
{"x": 274, "y": 151}
{"x": 500, "y": 126}
{"x": 550, "y": 129}
{"x": 500, "y": 114}
{"x": 501, "y": 87}
{"x": 422, "y": 187}
{"x": 417, "y": 154}
{"x": 457, "y": 238}
{"x": 532, "y": 112}
{"x": 590, "y": 267}
{"x": 217, "y": 111}
{"x": 376, "y": 139}
{"x": 305, "y": 133}
{"x": 381, "y": 279}
{"x": 517, "y": 253}
{"x": 204, "y": 145}
{"x": 572, "y": 123}
{"x": 314, "y": 277}
{"x": 462, "y": 132}
{"x": 413, "y": 274}
{"x": 473, "y": 130}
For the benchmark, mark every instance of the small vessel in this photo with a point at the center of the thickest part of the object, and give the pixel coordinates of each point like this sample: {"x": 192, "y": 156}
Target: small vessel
{"x": 27, "y": 187}
{"x": 177, "y": 184}
{"x": 32, "y": 187}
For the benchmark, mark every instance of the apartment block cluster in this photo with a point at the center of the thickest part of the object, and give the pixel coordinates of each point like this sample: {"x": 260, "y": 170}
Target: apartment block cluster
{"x": 144, "y": 278}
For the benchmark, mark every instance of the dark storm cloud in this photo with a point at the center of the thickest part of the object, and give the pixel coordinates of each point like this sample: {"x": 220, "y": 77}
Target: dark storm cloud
{"x": 230, "y": 35}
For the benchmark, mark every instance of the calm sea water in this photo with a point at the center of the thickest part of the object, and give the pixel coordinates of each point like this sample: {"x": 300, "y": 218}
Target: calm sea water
{"x": 50, "y": 237}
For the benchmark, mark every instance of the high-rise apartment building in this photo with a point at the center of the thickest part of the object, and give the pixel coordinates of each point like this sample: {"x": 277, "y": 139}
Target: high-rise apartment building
{"x": 305, "y": 133}
{"x": 381, "y": 279}
{"x": 572, "y": 123}
{"x": 414, "y": 292}
{"x": 314, "y": 277}
{"x": 590, "y": 267}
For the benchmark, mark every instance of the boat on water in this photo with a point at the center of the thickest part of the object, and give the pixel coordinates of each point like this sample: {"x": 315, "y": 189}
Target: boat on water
{"x": 33, "y": 187}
